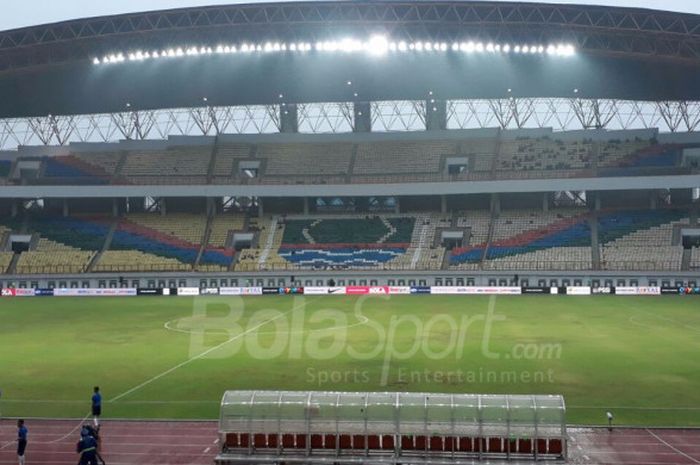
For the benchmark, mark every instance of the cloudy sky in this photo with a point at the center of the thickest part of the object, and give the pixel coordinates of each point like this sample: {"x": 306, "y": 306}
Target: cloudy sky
{"x": 20, "y": 13}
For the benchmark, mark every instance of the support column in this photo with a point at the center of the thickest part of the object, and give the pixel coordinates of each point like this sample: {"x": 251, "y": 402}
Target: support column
{"x": 397, "y": 206}
{"x": 306, "y": 205}
{"x": 363, "y": 117}
{"x": 289, "y": 122}
{"x": 210, "y": 206}
{"x": 495, "y": 204}
{"x": 163, "y": 207}
{"x": 13, "y": 208}
{"x": 653, "y": 200}
{"x": 261, "y": 212}
{"x": 435, "y": 114}
{"x": 545, "y": 202}
{"x": 115, "y": 208}
{"x": 443, "y": 204}
{"x": 65, "y": 208}
{"x": 597, "y": 202}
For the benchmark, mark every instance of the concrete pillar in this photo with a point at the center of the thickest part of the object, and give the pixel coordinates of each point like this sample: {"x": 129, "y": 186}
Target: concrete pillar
{"x": 495, "y": 203}
{"x": 115, "y": 208}
{"x": 306, "y": 205}
{"x": 65, "y": 208}
{"x": 163, "y": 207}
{"x": 597, "y": 201}
{"x": 397, "y": 206}
{"x": 363, "y": 117}
{"x": 653, "y": 200}
{"x": 545, "y": 202}
{"x": 435, "y": 114}
{"x": 443, "y": 204}
{"x": 261, "y": 212}
{"x": 14, "y": 208}
{"x": 210, "y": 206}
{"x": 289, "y": 123}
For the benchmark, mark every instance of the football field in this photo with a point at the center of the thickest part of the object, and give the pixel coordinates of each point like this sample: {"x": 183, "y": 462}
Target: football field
{"x": 168, "y": 357}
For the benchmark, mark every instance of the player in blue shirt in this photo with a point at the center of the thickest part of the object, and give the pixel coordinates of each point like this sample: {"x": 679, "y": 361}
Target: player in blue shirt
{"x": 96, "y": 406}
{"x": 22, "y": 433}
{"x": 87, "y": 448}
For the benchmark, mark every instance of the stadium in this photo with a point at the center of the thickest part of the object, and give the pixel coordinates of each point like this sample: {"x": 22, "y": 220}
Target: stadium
{"x": 377, "y": 232}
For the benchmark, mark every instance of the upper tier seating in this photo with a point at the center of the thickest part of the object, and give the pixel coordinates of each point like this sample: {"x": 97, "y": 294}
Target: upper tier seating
{"x": 306, "y": 159}
{"x": 615, "y": 153}
{"x": 402, "y": 157}
{"x": 82, "y": 233}
{"x": 227, "y": 158}
{"x": 543, "y": 154}
{"x": 177, "y": 165}
{"x": 185, "y": 226}
{"x": 107, "y": 162}
{"x": 5, "y": 168}
{"x": 483, "y": 151}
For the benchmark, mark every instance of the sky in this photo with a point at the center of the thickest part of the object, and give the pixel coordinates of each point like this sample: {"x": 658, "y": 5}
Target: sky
{"x": 21, "y": 13}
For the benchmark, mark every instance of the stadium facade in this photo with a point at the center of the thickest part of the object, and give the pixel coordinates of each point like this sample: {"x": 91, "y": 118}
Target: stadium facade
{"x": 371, "y": 143}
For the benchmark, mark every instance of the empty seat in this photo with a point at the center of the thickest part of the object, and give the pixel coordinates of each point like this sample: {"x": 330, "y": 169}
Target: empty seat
{"x": 436, "y": 443}
{"x": 387, "y": 442}
{"x": 330, "y": 441}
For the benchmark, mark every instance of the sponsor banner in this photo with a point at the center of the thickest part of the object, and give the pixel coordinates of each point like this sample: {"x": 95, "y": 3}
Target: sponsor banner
{"x": 316, "y": 290}
{"x": 535, "y": 290}
{"x": 633, "y": 290}
{"x": 91, "y": 292}
{"x": 270, "y": 290}
{"x": 357, "y": 290}
{"x": 8, "y": 292}
{"x": 476, "y": 290}
{"x": 187, "y": 291}
{"x": 169, "y": 291}
{"x": 209, "y": 291}
{"x": 681, "y": 290}
{"x": 43, "y": 292}
{"x": 554, "y": 290}
{"x": 578, "y": 290}
{"x": 290, "y": 290}
{"x": 379, "y": 290}
{"x": 148, "y": 291}
{"x": 241, "y": 291}
{"x": 339, "y": 290}
{"x": 602, "y": 290}
{"x": 671, "y": 290}
{"x": 420, "y": 289}
{"x": 399, "y": 289}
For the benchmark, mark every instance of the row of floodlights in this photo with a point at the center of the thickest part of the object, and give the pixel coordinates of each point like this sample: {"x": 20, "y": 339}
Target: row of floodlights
{"x": 376, "y": 45}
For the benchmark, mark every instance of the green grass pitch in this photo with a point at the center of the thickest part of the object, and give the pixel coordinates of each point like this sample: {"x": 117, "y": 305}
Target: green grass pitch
{"x": 166, "y": 357}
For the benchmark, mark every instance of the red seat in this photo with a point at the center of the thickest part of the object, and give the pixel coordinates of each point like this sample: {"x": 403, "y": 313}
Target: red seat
{"x": 495, "y": 445}
{"x": 316, "y": 441}
{"x": 465, "y": 444}
{"x": 345, "y": 441}
{"x": 272, "y": 440}
{"x": 525, "y": 446}
{"x": 388, "y": 442}
{"x": 541, "y": 446}
{"x": 244, "y": 440}
{"x": 288, "y": 441}
{"x": 358, "y": 441}
{"x": 260, "y": 441}
{"x": 555, "y": 447}
{"x": 421, "y": 443}
{"x": 373, "y": 442}
{"x": 231, "y": 440}
{"x": 329, "y": 442}
{"x": 450, "y": 444}
{"x": 301, "y": 441}
{"x": 407, "y": 442}
{"x": 436, "y": 443}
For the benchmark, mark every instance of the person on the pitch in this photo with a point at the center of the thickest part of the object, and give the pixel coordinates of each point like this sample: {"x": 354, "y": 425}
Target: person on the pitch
{"x": 96, "y": 406}
{"x": 22, "y": 433}
{"x": 87, "y": 448}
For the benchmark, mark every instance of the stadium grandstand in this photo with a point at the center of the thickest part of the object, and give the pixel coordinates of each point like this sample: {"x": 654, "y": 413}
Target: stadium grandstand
{"x": 357, "y": 147}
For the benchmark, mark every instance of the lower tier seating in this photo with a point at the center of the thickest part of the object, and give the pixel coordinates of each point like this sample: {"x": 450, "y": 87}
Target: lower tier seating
{"x": 136, "y": 261}
{"x": 695, "y": 258}
{"x": 5, "y": 260}
{"x": 642, "y": 258}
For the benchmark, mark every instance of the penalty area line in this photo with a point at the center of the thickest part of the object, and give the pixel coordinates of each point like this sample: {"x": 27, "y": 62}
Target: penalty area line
{"x": 203, "y": 354}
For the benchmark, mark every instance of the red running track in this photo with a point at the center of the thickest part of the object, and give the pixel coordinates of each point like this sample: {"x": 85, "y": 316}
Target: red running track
{"x": 52, "y": 442}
